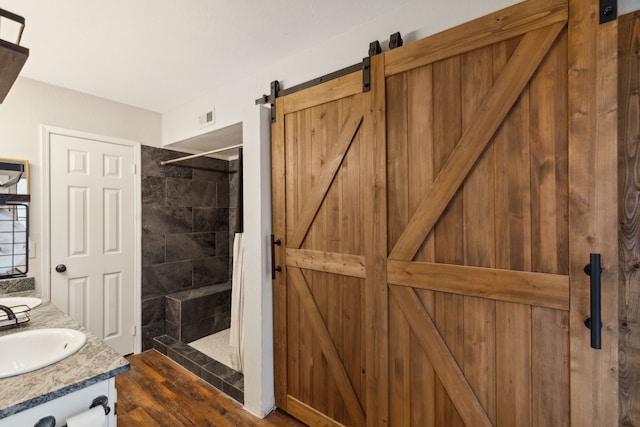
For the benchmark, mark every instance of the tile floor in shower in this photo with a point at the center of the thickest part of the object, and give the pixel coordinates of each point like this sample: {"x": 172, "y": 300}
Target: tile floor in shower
{"x": 208, "y": 358}
{"x": 215, "y": 346}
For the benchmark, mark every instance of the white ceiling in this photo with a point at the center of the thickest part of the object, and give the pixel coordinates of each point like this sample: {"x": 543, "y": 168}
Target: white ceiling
{"x": 160, "y": 54}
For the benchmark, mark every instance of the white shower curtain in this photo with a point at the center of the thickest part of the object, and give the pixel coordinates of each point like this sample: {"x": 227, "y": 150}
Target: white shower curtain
{"x": 237, "y": 303}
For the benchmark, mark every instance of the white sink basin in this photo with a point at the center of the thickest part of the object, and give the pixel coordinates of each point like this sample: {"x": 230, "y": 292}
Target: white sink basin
{"x": 34, "y": 349}
{"x": 19, "y": 304}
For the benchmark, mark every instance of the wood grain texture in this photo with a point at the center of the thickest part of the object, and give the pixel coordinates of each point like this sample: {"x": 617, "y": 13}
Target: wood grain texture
{"x": 549, "y": 373}
{"x": 629, "y": 161}
{"x": 400, "y": 396}
{"x": 448, "y": 240}
{"x": 491, "y": 113}
{"x": 328, "y": 262}
{"x": 593, "y": 214}
{"x": 513, "y": 356}
{"x": 420, "y": 145}
{"x": 158, "y": 392}
{"x": 398, "y": 212}
{"x": 490, "y": 29}
{"x": 376, "y": 319}
{"x": 333, "y": 90}
{"x": 479, "y": 241}
{"x": 629, "y": 374}
{"x": 327, "y": 174}
{"x": 461, "y": 393}
{"x": 512, "y": 186}
{"x": 279, "y": 215}
{"x": 335, "y": 366}
{"x": 549, "y": 233}
{"x": 549, "y": 159}
{"x": 629, "y": 214}
{"x": 309, "y": 415}
{"x": 544, "y": 290}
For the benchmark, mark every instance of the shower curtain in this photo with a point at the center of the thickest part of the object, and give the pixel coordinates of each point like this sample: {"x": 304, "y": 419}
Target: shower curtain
{"x": 237, "y": 303}
{"x": 237, "y": 280}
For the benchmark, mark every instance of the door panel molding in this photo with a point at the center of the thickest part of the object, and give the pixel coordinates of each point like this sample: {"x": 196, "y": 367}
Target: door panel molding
{"x": 491, "y": 113}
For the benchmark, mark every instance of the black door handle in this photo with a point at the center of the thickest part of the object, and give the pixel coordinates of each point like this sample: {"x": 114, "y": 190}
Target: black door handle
{"x": 594, "y": 270}
{"x": 61, "y": 268}
{"x": 274, "y": 267}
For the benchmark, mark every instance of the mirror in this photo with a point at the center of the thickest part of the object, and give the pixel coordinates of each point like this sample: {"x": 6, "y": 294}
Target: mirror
{"x": 14, "y": 217}
{"x": 14, "y": 177}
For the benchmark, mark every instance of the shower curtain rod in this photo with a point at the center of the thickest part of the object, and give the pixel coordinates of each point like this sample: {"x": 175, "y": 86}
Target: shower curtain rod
{"x": 193, "y": 156}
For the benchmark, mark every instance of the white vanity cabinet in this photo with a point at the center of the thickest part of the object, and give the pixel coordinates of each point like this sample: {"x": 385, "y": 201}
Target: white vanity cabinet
{"x": 66, "y": 406}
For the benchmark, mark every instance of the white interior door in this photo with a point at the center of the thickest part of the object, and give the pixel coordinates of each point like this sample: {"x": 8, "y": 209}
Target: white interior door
{"x": 92, "y": 236}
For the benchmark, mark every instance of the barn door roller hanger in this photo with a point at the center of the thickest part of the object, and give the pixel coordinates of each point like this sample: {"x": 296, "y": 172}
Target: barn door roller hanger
{"x": 395, "y": 41}
{"x": 608, "y": 10}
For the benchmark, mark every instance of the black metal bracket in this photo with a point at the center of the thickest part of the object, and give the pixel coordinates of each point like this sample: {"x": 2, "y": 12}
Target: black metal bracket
{"x": 374, "y": 48}
{"x": 274, "y": 268}
{"x": 608, "y": 10}
{"x": 275, "y": 88}
{"x": 395, "y": 41}
{"x": 366, "y": 74}
{"x": 271, "y": 99}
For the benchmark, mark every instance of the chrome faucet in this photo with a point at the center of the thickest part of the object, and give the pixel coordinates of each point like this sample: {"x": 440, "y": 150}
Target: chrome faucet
{"x": 10, "y": 314}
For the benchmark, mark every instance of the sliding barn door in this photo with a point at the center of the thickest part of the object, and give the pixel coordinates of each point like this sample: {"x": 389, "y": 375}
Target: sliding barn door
{"x": 320, "y": 183}
{"x": 497, "y": 193}
{"x": 478, "y": 270}
{"x": 435, "y": 230}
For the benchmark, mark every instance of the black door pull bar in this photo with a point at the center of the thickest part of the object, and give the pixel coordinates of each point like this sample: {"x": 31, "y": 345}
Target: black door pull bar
{"x": 594, "y": 270}
{"x": 274, "y": 267}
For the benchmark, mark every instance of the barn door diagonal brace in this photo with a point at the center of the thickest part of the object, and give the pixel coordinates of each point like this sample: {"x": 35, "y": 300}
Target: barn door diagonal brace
{"x": 364, "y": 65}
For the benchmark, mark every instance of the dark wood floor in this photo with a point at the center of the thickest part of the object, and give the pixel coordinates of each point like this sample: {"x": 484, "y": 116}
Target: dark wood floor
{"x": 159, "y": 392}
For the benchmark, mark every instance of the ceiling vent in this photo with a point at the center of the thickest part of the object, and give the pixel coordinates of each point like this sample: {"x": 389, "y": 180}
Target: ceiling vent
{"x": 12, "y": 55}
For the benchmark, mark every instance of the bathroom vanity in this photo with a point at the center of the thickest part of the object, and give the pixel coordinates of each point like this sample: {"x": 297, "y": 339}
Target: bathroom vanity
{"x": 65, "y": 388}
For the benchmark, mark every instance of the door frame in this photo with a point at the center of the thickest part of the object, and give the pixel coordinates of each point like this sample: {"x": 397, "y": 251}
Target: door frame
{"x": 46, "y": 132}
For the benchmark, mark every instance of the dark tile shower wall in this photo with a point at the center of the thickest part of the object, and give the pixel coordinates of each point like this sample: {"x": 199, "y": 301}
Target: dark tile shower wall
{"x": 186, "y": 239}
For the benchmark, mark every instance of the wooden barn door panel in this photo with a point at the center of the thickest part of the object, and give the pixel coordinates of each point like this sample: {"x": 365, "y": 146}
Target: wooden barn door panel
{"x": 321, "y": 226}
{"x": 486, "y": 234}
{"x": 434, "y": 231}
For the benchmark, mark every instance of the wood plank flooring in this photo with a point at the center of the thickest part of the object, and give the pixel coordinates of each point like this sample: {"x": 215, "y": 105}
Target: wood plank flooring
{"x": 158, "y": 392}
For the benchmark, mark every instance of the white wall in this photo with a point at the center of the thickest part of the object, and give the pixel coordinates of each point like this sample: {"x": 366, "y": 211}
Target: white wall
{"x": 627, "y": 6}
{"x": 30, "y": 104}
{"x": 234, "y": 102}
